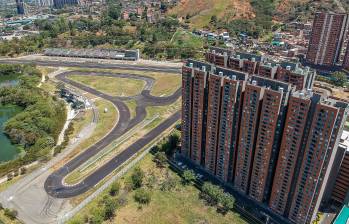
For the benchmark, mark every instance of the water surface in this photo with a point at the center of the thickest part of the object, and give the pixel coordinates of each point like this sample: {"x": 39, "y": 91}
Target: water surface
{"x": 8, "y": 151}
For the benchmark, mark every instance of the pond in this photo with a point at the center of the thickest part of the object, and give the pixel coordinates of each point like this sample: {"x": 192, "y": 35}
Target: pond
{"x": 8, "y": 80}
{"x": 8, "y": 151}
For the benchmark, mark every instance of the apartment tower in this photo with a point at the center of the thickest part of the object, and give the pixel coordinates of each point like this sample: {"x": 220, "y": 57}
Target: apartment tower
{"x": 263, "y": 137}
{"x": 327, "y": 38}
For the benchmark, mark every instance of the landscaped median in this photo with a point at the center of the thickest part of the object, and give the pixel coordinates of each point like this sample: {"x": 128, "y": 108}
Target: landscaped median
{"x": 113, "y": 86}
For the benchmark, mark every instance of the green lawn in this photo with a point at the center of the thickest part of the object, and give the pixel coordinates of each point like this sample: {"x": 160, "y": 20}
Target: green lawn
{"x": 165, "y": 83}
{"x": 181, "y": 205}
{"x": 111, "y": 85}
{"x": 187, "y": 39}
{"x": 201, "y": 11}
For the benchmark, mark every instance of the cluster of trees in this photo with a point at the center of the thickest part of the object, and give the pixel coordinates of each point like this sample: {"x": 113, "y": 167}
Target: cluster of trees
{"x": 109, "y": 31}
{"x": 337, "y": 78}
{"x": 168, "y": 146}
{"x": 215, "y": 196}
{"x": 37, "y": 127}
{"x": 107, "y": 207}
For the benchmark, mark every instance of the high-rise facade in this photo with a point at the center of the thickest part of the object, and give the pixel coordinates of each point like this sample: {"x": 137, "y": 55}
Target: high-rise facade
{"x": 252, "y": 103}
{"x": 61, "y": 3}
{"x": 296, "y": 119}
{"x": 269, "y": 140}
{"x": 213, "y": 117}
{"x": 20, "y": 7}
{"x": 327, "y": 38}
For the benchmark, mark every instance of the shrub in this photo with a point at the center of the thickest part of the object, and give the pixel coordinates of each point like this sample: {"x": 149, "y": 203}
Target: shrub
{"x": 137, "y": 178}
{"x": 160, "y": 159}
{"x": 188, "y": 177}
{"x": 12, "y": 214}
{"x": 142, "y": 196}
{"x": 114, "y": 189}
{"x": 169, "y": 184}
{"x": 110, "y": 206}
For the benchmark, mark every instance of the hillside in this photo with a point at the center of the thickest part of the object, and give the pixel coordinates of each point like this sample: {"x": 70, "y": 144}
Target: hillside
{"x": 200, "y": 12}
{"x": 289, "y": 10}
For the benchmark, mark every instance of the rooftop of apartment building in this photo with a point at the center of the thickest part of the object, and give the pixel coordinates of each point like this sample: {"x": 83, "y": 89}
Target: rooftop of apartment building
{"x": 344, "y": 141}
{"x": 295, "y": 67}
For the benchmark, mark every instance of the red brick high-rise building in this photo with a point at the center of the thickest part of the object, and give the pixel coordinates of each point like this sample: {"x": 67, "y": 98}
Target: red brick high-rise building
{"x": 213, "y": 118}
{"x": 266, "y": 132}
{"x": 197, "y": 115}
{"x": 327, "y": 38}
{"x": 309, "y": 181}
{"x": 298, "y": 108}
{"x": 251, "y": 108}
{"x": 265, "y": 138}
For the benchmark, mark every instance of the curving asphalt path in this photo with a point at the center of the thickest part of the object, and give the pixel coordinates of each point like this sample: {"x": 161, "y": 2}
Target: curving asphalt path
{"x": 54, "y": 184}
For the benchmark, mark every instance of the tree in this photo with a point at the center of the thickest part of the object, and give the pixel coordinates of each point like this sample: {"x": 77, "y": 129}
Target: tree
{"x": 339, "y": 78}
{"x": 137, "y": 178}
{"x": 188, "y": 177}
{"x": 215, "y": 196}
{"x": 211, "y": 193}
{"x": 173, "y": 141}
{"x": 114, "y": 189}
{"x": 227, "y": 202}
{"x": 160, "y": 159}
{"x": 142, "y": 196}
{"x": 213, "y": 19}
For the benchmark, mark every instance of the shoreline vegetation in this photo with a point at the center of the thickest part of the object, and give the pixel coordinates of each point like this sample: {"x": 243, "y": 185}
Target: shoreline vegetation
{"x": 35, "y": 130}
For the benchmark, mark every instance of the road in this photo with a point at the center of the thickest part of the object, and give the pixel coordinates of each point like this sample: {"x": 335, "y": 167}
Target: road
{"x": 54, "y": 185}
{"x": 63, "y": 63}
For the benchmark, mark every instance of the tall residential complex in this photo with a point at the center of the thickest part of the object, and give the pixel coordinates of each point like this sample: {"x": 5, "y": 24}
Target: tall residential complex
{"x": 61, "y": 3}
{"x": 44, "y": 3}
{"x": 327, "y": 38}
{"x": 20, "y": 7}
{"x": 269, "y": 137}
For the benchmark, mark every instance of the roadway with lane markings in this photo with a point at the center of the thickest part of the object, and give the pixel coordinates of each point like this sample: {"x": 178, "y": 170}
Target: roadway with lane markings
{"x": 54, "y": 185}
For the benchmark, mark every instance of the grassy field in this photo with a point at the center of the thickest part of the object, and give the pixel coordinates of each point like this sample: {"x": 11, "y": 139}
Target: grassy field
{"x": 187, "y": 39}
{"x": 165, "y": 83}
{"x": 111, "y": 85}
{"x": 181, "y": 205}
